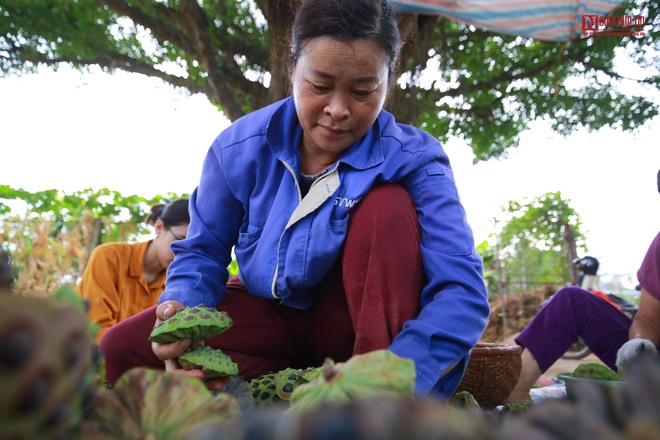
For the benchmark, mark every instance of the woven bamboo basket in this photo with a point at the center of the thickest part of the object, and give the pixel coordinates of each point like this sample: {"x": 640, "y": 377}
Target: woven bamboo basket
{"x": 491, "y": 373}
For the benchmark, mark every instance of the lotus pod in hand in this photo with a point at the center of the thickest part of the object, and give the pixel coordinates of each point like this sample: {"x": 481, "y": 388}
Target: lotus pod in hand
{"x": 194, "y": 323}
{"x": 374, "y": 374}
{"x": 213, "y": 362}
{"x": 595, "y": 371}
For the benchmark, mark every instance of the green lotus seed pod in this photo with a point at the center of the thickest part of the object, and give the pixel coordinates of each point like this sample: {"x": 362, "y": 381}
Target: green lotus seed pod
{"x": 288, "y": 380}
{"x": 379, "y": 373}
{"x": 464, "y": 400}
{"x": 596, "y": 371}
{"x": 310, "y": 373}
{"x": 264, "y": 390}
{"x": 516, "y": 408}
{"x": 194, "y": 323}
{"x": 213, "y": 362}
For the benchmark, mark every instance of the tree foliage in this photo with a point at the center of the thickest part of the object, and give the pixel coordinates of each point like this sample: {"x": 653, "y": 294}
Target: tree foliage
{"x": 122, "y": 216}
{"x": 52, "y": 238}
{"x": 539, "y": 240}
{"x": 455, "y": 80}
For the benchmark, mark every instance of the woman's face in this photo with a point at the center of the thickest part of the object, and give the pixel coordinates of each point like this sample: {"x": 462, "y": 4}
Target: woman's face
{"x": 339, "y": 89}
{"x": 165, "y": 235}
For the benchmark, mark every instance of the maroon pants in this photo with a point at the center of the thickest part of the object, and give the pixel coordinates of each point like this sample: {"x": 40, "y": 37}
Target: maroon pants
{"x": 372, "y": 290}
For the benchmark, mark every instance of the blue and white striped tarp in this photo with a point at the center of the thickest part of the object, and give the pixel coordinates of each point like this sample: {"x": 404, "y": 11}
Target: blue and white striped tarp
{"x": 553, "y": 20}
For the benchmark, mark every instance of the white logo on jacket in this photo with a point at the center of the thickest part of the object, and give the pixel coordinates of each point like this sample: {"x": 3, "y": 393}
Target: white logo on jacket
{"x": 349, "y": 203}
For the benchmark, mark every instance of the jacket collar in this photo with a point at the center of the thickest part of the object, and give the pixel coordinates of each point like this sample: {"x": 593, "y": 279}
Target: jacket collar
{"x": 284, "y": 131}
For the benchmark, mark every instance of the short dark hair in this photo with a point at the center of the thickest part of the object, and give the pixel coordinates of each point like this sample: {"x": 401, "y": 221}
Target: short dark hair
{"x": 347, "y": 20}
{"x": 174, "y": 213}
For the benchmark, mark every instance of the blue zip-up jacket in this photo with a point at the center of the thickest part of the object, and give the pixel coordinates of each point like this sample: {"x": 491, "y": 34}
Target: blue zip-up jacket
{"x": 249, "y": 198}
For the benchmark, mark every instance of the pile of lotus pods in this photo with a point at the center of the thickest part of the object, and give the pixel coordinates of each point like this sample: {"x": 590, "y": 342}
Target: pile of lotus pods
{"x": 49, "y": 389}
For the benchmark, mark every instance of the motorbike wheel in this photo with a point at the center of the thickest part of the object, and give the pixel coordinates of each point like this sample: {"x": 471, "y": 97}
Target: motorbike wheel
{"x": 578, "y": 350}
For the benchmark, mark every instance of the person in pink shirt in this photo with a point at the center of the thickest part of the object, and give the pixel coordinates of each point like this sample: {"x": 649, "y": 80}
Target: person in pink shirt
{"x": 610, "y": 334}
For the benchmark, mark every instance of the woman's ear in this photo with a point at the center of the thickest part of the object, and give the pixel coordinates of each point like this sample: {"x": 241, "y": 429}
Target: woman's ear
{"x": 159, "y": 225}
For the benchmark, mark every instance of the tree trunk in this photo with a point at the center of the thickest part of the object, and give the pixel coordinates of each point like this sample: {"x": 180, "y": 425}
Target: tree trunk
{"x": 571, "y": 251}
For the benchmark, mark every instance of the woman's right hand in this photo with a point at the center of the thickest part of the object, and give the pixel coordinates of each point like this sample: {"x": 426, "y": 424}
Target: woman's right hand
{"x": 168, "y": 353}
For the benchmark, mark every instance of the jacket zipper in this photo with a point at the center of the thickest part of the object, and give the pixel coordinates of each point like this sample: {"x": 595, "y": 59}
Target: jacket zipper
{"x": 295, "y": 179}
{"x": 273, "y": 286}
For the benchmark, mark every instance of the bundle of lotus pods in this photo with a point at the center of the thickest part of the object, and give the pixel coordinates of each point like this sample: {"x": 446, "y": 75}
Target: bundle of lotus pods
{"x": 630, "y": 412}
{"x": 46, "y": 367}
{"x": 153, "y": 404}
{"x": 198, "y": 324}
{"x": 375, "y": 374}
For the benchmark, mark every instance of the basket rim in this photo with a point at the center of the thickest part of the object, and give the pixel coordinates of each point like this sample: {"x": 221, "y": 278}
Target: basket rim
{"x": 494, "y": 348}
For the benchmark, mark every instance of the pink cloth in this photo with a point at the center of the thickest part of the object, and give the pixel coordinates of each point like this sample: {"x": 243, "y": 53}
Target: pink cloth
{"x": 648, "y": 274}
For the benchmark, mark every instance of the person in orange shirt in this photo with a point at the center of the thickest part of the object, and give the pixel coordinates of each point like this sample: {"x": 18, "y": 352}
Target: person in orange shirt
{"x": 122, "y": 279}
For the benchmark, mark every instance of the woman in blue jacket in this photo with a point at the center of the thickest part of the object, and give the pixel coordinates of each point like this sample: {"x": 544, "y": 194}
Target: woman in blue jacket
{"x": 347, "y": 226}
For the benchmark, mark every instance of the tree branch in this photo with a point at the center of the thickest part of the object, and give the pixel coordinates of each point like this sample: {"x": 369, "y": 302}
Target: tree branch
{"x": 159, "y": 28}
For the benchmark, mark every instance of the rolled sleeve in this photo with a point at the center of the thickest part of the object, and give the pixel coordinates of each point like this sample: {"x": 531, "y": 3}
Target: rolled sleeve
{"x": 198, "y": 274}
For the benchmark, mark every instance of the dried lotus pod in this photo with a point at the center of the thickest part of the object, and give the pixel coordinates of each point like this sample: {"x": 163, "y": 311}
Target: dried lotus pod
{"x": 152, "y": 404}
{"x": 46, "y": 367}
{"x": 212, "y": 361}
{"x": 239, "y": 389}
{"x": 375, "y": 374}
{"x": 194, "y": 323}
